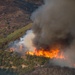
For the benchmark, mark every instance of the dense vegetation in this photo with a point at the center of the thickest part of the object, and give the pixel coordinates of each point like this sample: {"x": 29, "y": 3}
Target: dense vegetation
{"x": 12, "y": 61}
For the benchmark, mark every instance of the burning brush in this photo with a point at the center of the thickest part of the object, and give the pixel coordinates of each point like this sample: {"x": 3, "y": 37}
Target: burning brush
{"x": 51, "y": 53}
{"x": 53, "y": 32}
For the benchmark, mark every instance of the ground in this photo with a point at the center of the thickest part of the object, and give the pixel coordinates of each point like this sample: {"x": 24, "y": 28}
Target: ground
{"x": 15, "y": 14}
{"x": 15, "y": 19}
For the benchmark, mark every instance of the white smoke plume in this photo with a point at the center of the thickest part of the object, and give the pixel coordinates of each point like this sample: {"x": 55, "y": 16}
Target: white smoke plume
{"x": 28, "y": 40}
{"x": 24, "y": 44}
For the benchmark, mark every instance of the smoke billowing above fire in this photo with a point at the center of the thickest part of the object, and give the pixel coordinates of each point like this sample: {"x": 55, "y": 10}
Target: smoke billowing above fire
{"x": 54, "y": 23}
{"x": 53, "y": 26}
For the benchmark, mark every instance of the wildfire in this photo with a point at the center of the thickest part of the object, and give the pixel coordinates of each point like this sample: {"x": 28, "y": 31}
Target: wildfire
{"x": 52, "y": 53}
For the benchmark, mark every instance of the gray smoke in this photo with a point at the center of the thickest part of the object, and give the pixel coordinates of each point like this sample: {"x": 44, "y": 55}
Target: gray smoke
{"x": 53, "y": 22}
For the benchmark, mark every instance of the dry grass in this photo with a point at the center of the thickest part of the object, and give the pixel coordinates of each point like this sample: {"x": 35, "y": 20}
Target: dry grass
{"x": 15, "y": 35}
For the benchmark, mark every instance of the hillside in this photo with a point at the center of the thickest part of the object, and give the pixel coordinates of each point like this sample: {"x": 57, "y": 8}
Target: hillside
{"x": 14, "y": 21}
{"x": 54, "y": 70}
{"x": 15, "y": 14}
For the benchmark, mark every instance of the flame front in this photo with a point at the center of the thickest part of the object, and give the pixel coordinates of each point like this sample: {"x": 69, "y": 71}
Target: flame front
{"x": 52, "y": 53}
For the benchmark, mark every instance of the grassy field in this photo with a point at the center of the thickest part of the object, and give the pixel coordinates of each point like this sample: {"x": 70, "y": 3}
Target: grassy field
{"x": 13, "y": 36}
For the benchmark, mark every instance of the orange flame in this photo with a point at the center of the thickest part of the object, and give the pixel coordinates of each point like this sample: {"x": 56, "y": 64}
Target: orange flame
{"x": 52, "y": 53}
